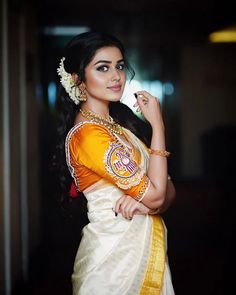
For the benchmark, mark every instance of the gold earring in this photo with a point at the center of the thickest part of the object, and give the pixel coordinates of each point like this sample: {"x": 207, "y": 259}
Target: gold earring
{"x": 82, "y": 90}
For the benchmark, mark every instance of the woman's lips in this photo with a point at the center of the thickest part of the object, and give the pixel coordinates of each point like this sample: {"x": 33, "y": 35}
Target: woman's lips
{"x": 115, "y": 88}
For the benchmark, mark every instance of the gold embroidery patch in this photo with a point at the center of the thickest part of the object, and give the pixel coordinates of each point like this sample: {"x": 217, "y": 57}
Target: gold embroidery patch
{"x": 120, "y": 164}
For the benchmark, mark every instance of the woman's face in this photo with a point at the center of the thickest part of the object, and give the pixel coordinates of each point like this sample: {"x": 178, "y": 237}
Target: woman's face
{"x": 105, "y": 75}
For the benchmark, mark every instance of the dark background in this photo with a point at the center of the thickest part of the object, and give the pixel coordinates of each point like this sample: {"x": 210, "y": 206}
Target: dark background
{"x": 166, "y": 41}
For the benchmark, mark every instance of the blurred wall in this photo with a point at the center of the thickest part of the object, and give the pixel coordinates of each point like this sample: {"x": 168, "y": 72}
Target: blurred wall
{"x": 19, "y": 193}
{"x": 208, "y": 84}
{"x": 1, "y": 188}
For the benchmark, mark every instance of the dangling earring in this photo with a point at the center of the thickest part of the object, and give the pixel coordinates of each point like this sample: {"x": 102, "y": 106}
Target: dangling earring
{"x": 82, "y": 90}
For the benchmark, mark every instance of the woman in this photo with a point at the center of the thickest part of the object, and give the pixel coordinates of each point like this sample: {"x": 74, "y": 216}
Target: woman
{"x": 123, "y": 247}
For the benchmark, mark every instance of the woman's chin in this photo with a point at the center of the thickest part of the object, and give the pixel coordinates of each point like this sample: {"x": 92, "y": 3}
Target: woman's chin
{"x": 114, "y": 99}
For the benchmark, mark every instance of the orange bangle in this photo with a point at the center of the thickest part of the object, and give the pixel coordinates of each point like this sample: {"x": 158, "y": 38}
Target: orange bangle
{"x": 159, "y": 153}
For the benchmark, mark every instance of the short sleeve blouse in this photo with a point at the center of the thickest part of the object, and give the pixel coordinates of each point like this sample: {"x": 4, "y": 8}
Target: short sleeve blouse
{"x": 94, "y": 153}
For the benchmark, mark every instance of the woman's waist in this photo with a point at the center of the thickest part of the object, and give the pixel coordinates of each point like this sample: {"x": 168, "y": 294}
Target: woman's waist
{"x": 107, "y": 222}
{"x": 104, "y": 216}
{"x": 107, "y": 216}
{"x": 102, "y": 197}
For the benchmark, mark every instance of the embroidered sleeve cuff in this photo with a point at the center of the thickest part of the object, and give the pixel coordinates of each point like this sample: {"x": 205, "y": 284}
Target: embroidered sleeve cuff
{"x": 121, "y": 166}
{"x": 143, "y": 190}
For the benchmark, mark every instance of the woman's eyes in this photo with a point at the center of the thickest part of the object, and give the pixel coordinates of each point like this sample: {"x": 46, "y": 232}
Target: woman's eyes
{"x": 120, "y": 67}
{"x": 105, "y": 68}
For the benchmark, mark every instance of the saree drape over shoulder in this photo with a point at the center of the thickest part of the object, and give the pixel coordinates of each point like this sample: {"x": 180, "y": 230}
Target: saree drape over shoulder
{"x": 116, "y": 256}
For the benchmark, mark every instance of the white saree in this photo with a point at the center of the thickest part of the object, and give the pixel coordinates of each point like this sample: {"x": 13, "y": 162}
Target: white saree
{"x": 117, "y": 256}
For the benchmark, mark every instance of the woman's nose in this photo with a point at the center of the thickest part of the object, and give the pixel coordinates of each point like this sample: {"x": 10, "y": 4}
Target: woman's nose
{"x": 115, "y": 75}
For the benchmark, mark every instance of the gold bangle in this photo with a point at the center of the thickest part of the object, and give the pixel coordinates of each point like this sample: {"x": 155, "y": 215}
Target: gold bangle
{"x": 159, "y": 153}
{"x": 154, "y": 212}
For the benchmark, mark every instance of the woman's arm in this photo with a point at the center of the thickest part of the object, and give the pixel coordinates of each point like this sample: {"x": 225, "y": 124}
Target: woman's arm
{"x": 157, "y": 170}
{"x": 155, "y": 196}
{"x": 169, "y": 199}
{"x": 170, "y": 196}
{"x": 129, "y": 207}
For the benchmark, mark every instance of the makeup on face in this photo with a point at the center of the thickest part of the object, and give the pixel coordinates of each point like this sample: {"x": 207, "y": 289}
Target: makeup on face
{"x": 106, "y": 65}
{"x": 106, "y": 74}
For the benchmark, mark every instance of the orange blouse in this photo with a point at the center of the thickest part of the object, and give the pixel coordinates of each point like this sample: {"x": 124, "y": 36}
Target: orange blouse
{"x": 94, "y": 153}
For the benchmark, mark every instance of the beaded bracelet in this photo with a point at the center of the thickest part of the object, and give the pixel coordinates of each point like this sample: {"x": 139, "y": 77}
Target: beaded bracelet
{"x": 159, "y": 153}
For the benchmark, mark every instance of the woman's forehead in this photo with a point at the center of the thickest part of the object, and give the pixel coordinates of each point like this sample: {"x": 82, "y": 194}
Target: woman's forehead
{"x": 108, "y": 53}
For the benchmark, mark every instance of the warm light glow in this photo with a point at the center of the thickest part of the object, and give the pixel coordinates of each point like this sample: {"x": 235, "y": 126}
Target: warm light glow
{"x": 226, "y": 35}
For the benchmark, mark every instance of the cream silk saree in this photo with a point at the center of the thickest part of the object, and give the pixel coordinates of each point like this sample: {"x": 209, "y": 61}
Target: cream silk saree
{"x": 116, "y": 256}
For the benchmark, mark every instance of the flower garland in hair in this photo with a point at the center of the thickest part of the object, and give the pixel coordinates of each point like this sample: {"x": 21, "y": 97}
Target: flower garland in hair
{"x": 68, "y": 83}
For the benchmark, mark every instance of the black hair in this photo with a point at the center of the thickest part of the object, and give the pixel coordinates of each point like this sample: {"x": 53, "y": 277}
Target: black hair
{"x": 78, "y": 54}
{"x": 82, "y": 48}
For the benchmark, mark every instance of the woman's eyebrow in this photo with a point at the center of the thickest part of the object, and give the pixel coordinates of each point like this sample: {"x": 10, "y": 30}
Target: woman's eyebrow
{"x": 107, "y": 61}
{"x": 103, "y": 61}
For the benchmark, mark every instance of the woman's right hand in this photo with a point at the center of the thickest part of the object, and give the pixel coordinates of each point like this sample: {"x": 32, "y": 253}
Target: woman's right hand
{"x": 129, "y": 207}
{"x": 149, "y": 105}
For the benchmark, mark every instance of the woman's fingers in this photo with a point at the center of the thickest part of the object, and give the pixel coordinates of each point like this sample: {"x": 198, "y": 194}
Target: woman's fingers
{"x": 129, "y": 210}
{"x": 126, "y": 208}
{"x": 126, "y": 205}
{"x": 149, "y": 106}
{"x": 118, "y": 204}
{"x": 142, "y": 100}
{"x": 144, "y": 94}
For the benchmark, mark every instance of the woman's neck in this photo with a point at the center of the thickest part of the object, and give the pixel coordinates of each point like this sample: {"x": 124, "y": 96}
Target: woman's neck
{"x": 99, "y": 107}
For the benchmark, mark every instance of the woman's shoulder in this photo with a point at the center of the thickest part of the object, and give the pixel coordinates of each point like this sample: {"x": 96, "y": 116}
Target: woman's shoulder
{"x": 86, "y": 131}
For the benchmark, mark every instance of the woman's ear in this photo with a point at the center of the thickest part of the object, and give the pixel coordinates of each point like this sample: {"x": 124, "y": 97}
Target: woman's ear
{"x": 75, "y": 78}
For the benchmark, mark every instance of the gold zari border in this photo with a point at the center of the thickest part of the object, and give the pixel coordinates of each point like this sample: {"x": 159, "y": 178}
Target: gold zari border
{"x": 153, "y": 280}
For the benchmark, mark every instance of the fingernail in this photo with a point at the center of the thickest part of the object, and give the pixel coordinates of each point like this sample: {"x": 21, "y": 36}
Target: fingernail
{"x": 116, "y": 213}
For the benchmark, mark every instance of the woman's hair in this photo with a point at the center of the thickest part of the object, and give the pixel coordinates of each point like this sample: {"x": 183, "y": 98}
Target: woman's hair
{"x": 78, "y": 54}
{"x": 82, "y": 48}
